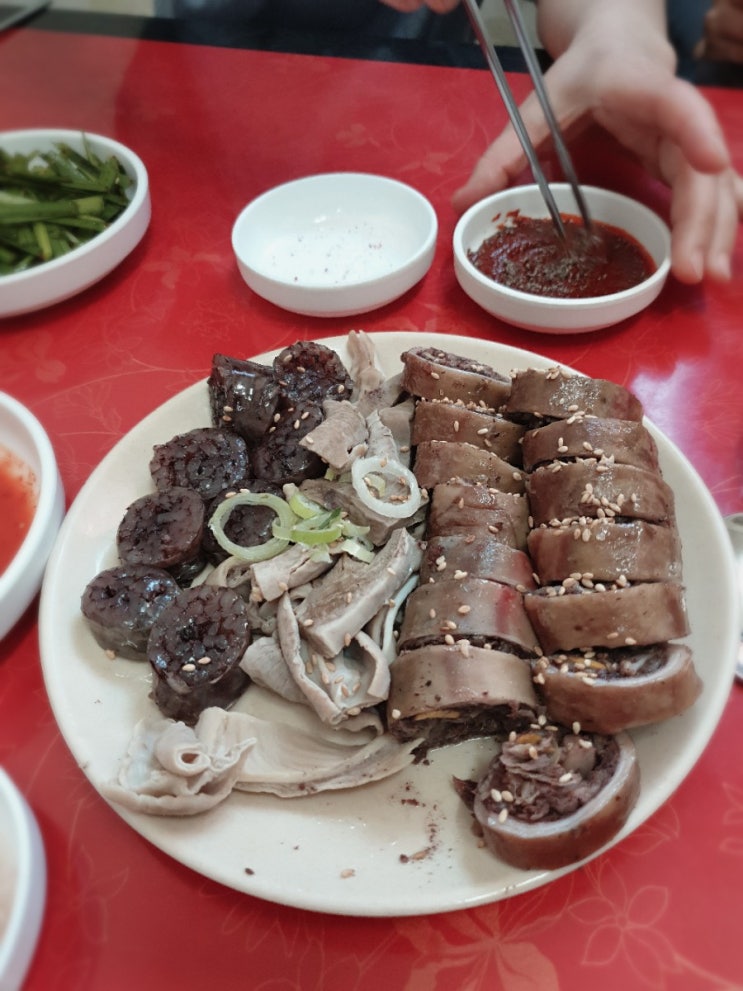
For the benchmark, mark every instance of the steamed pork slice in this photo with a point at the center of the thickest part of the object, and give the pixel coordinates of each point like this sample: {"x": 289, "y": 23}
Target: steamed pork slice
{"x": 121, "y": 604}
{"x": 552, "y": 797}
{"x": 472, "y": 609}
{"x": 623, "y": 441}
{"x": 430, "y": 373}
{"x": 195, "y": 648}
{"x": 607, "y": 691}
{"x": 440, "y": 460}
{"x": 557, "y": 394}
{"x": 589, "y": 488}
{"x": 466, "y": 509}
{"x": 342, "y": 495}
{"x": 565, "y": 619}
{"x": 470, "y": 424}
{"x": 340, "y": 437}
{"x": 446, "y": 694}
{"x": 634, "y": 550}
{"x": 481, "y": 556}
{"x": 344, "y": 600}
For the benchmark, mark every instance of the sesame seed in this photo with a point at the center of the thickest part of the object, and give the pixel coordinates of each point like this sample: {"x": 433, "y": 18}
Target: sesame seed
{"x": 188, "y": 667}
{"x": 502, "y": 815}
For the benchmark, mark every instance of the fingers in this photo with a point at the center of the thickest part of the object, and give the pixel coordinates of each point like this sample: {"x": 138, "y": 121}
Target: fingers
{"x": 705, "y": 212}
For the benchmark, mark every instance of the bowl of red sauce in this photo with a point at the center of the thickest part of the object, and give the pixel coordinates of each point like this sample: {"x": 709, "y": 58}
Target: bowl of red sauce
{"x": 510, "y": 259}
{"x": 31, "y": 508}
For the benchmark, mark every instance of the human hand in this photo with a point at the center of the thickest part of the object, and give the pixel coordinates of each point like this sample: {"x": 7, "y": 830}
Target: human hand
{"x": 620, "y": 75}
{"x": 723, "y": 32}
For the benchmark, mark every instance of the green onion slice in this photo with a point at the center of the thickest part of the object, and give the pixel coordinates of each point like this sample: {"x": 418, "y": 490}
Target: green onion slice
{"x": 392, "y": 480}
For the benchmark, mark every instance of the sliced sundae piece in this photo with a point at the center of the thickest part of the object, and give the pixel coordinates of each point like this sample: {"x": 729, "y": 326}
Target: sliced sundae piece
{"x": 466, "y": 509}
{"x": 611, "y": 690}
{"x": 472, "y": 609}
{"x": 439, "y": 461}
{"x": 430, "y": 373}
{"x": 557, "y": 394}
{"x": 468, "y": 424}
{"x": 447, "y": 693}
{"x": 476, "y": 556}
{"x": 566, "y": 618}
{"x": 634, "y": 551}
{"x": 554, "y": 796}
{"x": 622, "y": 441}
{"x": 590, "y": 488}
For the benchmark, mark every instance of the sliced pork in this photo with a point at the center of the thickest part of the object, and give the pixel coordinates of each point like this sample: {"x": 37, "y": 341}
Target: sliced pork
{"x": 476, "y": 556}
{"x": 464, "y": 509}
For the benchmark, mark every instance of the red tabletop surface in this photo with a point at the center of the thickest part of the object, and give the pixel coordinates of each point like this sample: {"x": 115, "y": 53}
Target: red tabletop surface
{"x": 216, "y": 127}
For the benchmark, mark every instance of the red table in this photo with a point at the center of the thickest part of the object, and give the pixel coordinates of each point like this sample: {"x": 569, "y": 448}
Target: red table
{"x": 215, "y": 127}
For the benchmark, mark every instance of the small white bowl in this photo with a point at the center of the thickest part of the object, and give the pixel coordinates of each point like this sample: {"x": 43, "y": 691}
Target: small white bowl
{"x": 60, "y": 278}
{"x": 336, "y": 244}
{"x": 550, "y": 314}
{"x": 22, "y": 885}
{"x": 23, "y": 436}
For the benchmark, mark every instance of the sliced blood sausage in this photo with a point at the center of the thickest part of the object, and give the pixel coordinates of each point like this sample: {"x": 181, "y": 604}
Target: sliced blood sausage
{"x": 552, "y": 797}
{"x": 472, "y": 609}
{"x": 635, "y": 549}
{"x": 469, "y": 424}
{"x": 194, "y": 650}
{"x": 279, "y": 457}
{"x": 611, "y": 690}
{"x": 636, "y": 615}
{"x": 439, "y": 461}
{"x": 243, "y": 396}
{"x": 478, "y": 556}
{"x": 444, "y": 694}
{"x": 466, "y": 509}
{"x": 120, "y": 605}
{"x": 246, "y": 525}
{"x": 565, "y": 492}
{"x": 206, "y": 459}
{"x": 624, "y": 441}
{"x": 162, "y": 529}
{"x": 310, "y": 372}
{"x": 557, "y": 394}
{"x": 431, "y": 373}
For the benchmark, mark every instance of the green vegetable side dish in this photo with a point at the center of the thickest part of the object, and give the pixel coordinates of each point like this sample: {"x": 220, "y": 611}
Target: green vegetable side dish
{"x": 51, "y": 202}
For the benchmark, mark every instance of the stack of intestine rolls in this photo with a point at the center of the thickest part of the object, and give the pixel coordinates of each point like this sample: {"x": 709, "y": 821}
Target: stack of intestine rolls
{"x": 550, "y": 595}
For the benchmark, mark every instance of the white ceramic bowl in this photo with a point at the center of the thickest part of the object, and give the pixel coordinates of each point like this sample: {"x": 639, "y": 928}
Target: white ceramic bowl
{"x": 336, "y": 244}
{"x": 546, "y": 313}
{"x": 22, "y": 885}
{"x": 60, "y": 278}
{"x": 23, "y": 436}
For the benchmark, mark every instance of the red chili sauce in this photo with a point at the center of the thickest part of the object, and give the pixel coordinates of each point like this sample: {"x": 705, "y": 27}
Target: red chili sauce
{"x": 17, "y": 505}
{"x": 527, "y": 254}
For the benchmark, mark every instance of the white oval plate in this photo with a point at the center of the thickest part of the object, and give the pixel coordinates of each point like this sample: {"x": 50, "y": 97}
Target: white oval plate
{"x": 298, "y": 852}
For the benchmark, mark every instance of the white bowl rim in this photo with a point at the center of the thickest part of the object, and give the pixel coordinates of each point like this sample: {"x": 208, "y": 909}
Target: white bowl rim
{"x": 427, "y": 245}
{"x": 560, "y": 302}
{"x": 126, "y": 156}
{"x": 48, "y": 488}
{"x": 18, "y": 940}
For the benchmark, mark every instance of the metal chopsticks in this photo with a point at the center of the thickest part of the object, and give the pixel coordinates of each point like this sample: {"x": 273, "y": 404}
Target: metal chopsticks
{"x": 532, "y": 63}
